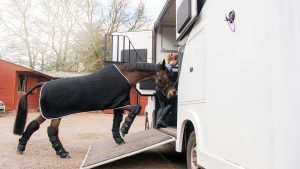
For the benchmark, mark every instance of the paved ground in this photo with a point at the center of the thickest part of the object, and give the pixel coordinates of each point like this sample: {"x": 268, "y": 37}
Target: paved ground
{"x": 77, "y": 132}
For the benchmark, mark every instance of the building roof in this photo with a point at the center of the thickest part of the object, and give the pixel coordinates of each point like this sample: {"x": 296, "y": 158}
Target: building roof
{"x": 24, "y": 69}
{"x": 166, "y": 14}
{"x": 51, "y": 75}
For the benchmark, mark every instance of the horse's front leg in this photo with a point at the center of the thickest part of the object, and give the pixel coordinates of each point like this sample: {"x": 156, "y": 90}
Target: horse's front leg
{"x": 54, "y": 139}
{"x": 133, "y": 111}
{"x": 118, "y": 116}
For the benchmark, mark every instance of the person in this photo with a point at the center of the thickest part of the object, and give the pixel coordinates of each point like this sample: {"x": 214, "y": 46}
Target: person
{"x": 172, "y": 62}
{"x": 164, "y": 103}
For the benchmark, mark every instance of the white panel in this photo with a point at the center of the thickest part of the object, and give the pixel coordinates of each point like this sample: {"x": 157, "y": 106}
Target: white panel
{"x": 192, "y": 75}
{"x": 168, "y": 39}
{"x": 143, "y": 91}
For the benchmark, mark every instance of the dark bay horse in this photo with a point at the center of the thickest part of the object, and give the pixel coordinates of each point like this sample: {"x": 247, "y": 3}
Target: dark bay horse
{"x": 108, "y": 88}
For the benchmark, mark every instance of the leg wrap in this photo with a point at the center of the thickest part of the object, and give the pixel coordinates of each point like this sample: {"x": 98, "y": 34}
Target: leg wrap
{"x": 134, "y": 110}
{"x": 31, "y": 128}
{"x": 161, "y": 120}
{"x": 118, "y": 116}
{"x": 158, "y": 115}
{"x": 56, "y": 144}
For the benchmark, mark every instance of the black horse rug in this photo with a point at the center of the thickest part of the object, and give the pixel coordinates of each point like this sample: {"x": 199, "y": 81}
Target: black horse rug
{"x": 104, "y": 89}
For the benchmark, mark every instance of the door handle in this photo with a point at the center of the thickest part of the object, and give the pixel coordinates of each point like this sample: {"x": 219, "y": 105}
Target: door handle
{"x": 191, "y": 69}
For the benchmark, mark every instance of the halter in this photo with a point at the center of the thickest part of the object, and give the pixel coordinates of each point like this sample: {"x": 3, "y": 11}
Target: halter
{"x": 166, "y": 84}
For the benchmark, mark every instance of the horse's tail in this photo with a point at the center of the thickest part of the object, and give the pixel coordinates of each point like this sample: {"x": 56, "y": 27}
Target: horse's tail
{"x": 21, "y": 117}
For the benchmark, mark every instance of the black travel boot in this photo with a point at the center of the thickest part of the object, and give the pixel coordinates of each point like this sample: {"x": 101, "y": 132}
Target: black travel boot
{"x": 31, "y": 128}
{"x": 56, "y": 144}
{"x": 161, "y": 120}
{"x": 134, "y": 110}
{"x": 118, "y": 116}
{"x": 158, "y": 115}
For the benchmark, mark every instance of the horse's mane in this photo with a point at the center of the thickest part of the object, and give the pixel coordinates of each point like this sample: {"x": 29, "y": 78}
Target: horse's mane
{"x": 139, "y": 66}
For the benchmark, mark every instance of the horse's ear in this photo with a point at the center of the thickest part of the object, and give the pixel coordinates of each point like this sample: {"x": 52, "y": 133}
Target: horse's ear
{"x": 164, "y": 62}
{"x": 160, "y": 66}
{"x": 163, "y": 65}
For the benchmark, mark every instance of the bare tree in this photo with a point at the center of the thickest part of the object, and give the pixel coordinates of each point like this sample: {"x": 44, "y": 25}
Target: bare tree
{"x": 139, "y": 20}
{"x": 67, "y": 35}
{"x": 61, "y": 20}
{"x": 88, "y": 40}
{"x": 122, "y": 17}
{"x": 19, "y": 28}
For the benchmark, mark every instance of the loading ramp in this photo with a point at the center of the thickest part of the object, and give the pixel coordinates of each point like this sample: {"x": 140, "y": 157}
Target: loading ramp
{"x": 107, "y": 150}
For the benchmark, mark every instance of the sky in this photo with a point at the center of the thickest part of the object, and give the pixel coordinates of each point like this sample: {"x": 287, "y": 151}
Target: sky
{"x": 154, "y": 7}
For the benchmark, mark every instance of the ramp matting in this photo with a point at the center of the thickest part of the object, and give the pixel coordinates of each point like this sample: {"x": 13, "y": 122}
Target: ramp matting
{"x": 107, "y": 150}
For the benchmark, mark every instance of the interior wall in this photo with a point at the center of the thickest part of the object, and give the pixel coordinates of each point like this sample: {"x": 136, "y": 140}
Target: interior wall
{"x": 165, "y": 41}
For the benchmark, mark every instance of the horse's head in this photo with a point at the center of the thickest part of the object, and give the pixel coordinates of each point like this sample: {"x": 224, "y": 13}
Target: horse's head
{"x": 164, "y": 81}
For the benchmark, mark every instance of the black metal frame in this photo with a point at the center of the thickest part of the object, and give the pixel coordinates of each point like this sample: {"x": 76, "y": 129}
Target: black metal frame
{"x": 119, "y": 59}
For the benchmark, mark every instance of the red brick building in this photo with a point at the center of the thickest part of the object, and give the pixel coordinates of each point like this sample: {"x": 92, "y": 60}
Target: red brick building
{"x": 15, "y": 80}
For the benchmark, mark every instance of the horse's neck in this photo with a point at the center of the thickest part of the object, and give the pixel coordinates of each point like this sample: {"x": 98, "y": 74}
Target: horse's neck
{"x": 137, "y": 76}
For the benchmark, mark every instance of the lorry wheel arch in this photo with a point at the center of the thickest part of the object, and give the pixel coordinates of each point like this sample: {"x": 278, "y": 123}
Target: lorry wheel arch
{"x": 188, "y": 129}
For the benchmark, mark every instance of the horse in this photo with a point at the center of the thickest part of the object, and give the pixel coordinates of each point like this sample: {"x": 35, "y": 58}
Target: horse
{"x": 107, "y": 88}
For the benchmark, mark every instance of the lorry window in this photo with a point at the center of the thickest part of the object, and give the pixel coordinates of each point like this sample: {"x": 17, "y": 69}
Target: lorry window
{"x": 200, "y": 4}
{"x": 187, "y": 13}
{"x": 183, "y": 15}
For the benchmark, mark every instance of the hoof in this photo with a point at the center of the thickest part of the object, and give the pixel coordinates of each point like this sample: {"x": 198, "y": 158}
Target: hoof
{"x": 122, "y": 143}
{"x": 158, "y": 126}
{"x": 161, "y": 124}
{"x": 119, "y": 140}
{"x": 21, "y": 147}
{"x": 67, "y": 156}
{"x": 64, "y": 155}
{"x": 19, "y": 151}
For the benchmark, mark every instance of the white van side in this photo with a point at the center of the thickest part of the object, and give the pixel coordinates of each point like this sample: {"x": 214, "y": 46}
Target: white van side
{"x": 239, "y": 83}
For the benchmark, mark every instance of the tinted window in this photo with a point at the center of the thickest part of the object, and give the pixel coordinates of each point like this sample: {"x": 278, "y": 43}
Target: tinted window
{"x": 22, "y": 83}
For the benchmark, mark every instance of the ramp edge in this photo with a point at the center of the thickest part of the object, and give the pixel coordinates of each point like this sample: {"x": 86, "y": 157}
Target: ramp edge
{"x": 86, "y": 155}
{"x": 125, "y": 155}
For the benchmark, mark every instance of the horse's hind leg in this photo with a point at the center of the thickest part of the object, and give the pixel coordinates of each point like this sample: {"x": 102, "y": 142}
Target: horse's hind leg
{"x": 33, "y": 126}
{"x": 133, "y": 111}
{"x": 54, "y": 139}
{"x": 118, "y": 116}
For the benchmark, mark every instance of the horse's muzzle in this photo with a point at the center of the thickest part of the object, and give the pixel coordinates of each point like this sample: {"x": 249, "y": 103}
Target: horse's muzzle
{"x": 171, "y": 93}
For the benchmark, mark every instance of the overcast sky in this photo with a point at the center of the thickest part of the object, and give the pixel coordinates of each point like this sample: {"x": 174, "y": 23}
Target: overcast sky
{"x": 153, "y": 9}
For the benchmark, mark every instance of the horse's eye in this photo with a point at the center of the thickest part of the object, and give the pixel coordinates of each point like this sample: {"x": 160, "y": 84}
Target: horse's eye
{"x": 163, "y": 81}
